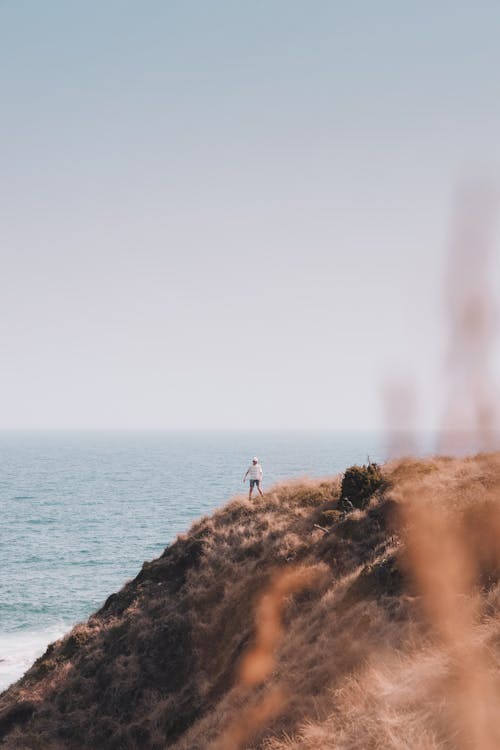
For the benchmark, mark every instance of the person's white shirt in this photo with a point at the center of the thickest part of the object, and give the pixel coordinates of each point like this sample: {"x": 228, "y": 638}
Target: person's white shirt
{"x": 255, "y": 471}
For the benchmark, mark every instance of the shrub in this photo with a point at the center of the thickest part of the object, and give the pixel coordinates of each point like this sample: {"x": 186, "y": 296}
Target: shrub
{"x": 76, "y": 640}
{"x": 45, "y": 666}
{"x": 330, "y": 517}
{"x": 312, "y": 495}
{"x": 360, "y": 482}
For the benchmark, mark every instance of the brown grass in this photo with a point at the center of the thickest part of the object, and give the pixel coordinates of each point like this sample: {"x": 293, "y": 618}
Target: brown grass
{"x": 259, "y": 630}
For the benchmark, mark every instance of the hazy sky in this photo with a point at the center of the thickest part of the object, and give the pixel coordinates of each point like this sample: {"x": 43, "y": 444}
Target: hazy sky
{"x": 232, "y": 214}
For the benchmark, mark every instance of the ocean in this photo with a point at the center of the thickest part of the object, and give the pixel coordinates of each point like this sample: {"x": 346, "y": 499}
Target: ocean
{"x": 81, "y": 511}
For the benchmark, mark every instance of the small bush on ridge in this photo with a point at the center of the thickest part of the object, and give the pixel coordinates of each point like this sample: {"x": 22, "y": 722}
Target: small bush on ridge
{"x": 360, "y": 482}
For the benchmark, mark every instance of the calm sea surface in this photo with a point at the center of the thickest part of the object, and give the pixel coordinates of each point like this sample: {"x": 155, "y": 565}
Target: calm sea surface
{"x": 80, "y": 512}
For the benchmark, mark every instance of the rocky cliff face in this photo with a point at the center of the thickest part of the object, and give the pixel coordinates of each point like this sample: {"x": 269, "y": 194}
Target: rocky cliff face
{"x": 292, "y": 622}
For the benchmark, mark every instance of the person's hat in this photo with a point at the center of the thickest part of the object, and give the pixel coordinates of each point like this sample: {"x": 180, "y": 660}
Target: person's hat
{"x": 255, "y": 460}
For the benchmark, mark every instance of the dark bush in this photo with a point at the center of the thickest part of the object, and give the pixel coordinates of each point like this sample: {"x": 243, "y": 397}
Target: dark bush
{"x": 359, "y": 483}
{"x": 74, "y": 643}
{"x": 330, "y": 517}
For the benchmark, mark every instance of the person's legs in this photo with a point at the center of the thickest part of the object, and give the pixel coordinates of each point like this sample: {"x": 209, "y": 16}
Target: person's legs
{"x": 258, "y": 487}
{"x": 250, "y": 490}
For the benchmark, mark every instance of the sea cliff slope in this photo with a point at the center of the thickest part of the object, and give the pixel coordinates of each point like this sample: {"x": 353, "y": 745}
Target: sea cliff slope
{"x": 296, "y": 621}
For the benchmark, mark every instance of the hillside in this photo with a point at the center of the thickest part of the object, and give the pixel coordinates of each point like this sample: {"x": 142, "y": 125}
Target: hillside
{"x": 294, "y": 623}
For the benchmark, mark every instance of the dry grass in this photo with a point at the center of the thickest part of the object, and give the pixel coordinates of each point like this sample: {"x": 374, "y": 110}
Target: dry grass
{"x": 257, "y": 630}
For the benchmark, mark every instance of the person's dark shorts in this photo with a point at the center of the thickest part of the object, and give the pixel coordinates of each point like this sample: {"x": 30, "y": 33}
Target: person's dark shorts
{"x": 254, "y": 482}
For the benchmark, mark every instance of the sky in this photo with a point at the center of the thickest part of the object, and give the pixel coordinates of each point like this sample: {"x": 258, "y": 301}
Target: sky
{"x": 234, "y": 214}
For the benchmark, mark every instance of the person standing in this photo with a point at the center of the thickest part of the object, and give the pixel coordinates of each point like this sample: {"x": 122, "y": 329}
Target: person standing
{"x": 254, "y": 473}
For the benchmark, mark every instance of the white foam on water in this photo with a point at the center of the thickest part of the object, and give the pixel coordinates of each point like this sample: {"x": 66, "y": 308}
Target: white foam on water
{"x": 19, "y": 650}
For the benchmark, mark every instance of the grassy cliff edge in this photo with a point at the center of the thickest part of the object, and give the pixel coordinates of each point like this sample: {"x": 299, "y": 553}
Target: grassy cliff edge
{"x": 363, "y": 652}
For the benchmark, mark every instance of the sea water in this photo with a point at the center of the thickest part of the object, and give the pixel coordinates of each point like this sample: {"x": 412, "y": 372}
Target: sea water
{"x": 80, "y": 512}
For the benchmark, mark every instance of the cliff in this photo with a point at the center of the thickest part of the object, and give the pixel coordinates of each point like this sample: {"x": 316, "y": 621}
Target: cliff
{"x": 294, "y": 622}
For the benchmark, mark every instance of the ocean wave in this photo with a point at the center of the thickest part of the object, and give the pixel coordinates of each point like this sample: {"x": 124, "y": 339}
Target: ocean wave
{"x": 19, "y": 649}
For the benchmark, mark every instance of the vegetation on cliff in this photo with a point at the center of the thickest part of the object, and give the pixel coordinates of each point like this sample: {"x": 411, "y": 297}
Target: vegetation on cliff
{"x": 292, "y": 623}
